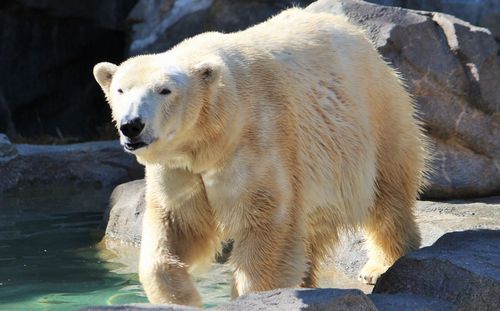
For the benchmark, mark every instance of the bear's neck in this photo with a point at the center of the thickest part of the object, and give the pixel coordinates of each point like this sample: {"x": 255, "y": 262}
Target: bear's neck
{"x": 215, "y": 138}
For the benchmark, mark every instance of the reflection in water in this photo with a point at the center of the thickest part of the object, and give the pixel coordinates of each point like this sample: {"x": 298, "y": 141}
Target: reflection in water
{"x": 51, "y": 258}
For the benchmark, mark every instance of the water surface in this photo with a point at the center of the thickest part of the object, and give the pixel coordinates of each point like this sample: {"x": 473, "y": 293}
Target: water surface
{"x": 50, "y": 258}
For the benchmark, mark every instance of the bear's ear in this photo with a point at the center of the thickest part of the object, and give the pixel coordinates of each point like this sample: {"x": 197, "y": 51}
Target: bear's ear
{"x": 208, "y": 71}
{"x": 103, "y": 73}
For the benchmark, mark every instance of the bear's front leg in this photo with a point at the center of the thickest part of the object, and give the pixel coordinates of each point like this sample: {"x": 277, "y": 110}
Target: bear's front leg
{"x": 179, "y": 232}
{"x": 269, "y": 249}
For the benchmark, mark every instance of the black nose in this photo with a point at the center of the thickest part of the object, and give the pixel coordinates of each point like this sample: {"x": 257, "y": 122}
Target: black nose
{"x": 132, "y": 128}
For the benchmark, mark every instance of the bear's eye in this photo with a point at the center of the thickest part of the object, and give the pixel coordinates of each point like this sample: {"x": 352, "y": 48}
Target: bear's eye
{"x": 120, "y": 91}
{"x": 165, "y": 91}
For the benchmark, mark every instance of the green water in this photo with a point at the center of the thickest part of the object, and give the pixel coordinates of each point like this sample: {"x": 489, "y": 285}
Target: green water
{"x": 49, "y": 258}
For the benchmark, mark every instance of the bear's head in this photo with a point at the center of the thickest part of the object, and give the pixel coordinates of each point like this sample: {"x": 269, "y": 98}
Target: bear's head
{"x": 156, "y": 100}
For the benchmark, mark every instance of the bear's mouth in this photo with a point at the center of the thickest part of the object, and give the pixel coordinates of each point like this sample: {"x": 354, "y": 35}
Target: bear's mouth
{"x": 134, "y": 146}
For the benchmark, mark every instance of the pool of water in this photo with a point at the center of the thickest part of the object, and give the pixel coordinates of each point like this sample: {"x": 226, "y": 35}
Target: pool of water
{"x": 51, "y": 259}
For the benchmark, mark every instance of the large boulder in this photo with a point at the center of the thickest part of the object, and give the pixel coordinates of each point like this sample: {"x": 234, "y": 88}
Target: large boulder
{"x": 96, "y": 164}
{"x": 48, "y": 50}
{"x": 461, "y": 267}
{"x": 484, "y": 13}
{"x": 123, "y": 219}
{"x": 449, "y": 65}
{"x": 409, "y": 302}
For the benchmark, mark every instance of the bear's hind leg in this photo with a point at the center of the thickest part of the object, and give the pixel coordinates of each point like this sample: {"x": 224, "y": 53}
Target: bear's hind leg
{"x": 262, "y": 264}
{"x": 265, "y": 260}
{"x": 319, "y": 244}
{"x": 313, "y": 264}
{"x": 391, "y": 232}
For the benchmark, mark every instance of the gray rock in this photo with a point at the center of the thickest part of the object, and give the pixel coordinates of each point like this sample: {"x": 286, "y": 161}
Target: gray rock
{"x": 302, "y": 299}
{"x": 408, "y": 302}
{"x": 451, "y": 68}
{"x": 280, "y": 299}
{"x": 159, "y": 25}
{"x": 484, "y": 13}
{"x": 99, "y": 164}
{"x": 461, "y": 267}
{"x": 7, "y": 150}
{"x": 141, "y": 307}
{"x": 124, "y": 218}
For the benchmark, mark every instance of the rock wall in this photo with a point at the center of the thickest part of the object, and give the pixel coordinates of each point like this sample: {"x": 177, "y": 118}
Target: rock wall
{"x": 484, "y": 13}
{"x": 48, "y": 50}
{"x": 100, "y": 164}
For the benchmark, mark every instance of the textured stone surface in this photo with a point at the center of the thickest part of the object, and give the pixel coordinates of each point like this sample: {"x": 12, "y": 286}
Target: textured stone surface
{"x": 451, "y": 68}
{"x": 158, "y": 25}
{"x": 278, "y": 300}
{"x": 100, "y": 164}
{"x": 141, "y": 307}
{"x": 7, "y": 150}
{"x": 302, "y": 299}
{"x": 484, "y": 13}
{"x": 461, "y": 267}
{"x": 408, "y": 302}
{"x": 124, "y": 217}
{"x": 48, "y": 50}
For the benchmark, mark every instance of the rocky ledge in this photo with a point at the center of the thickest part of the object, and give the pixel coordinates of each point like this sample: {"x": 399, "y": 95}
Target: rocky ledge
{"x": 461, "y": 267}
{"x": 99, "y": 164}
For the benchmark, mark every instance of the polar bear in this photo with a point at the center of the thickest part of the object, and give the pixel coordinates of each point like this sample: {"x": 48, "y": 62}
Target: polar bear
{"x": 279, "y": 137}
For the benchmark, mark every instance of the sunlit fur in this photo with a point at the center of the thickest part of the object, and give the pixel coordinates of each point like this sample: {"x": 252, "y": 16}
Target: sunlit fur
{"x": 279, "y": 137}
